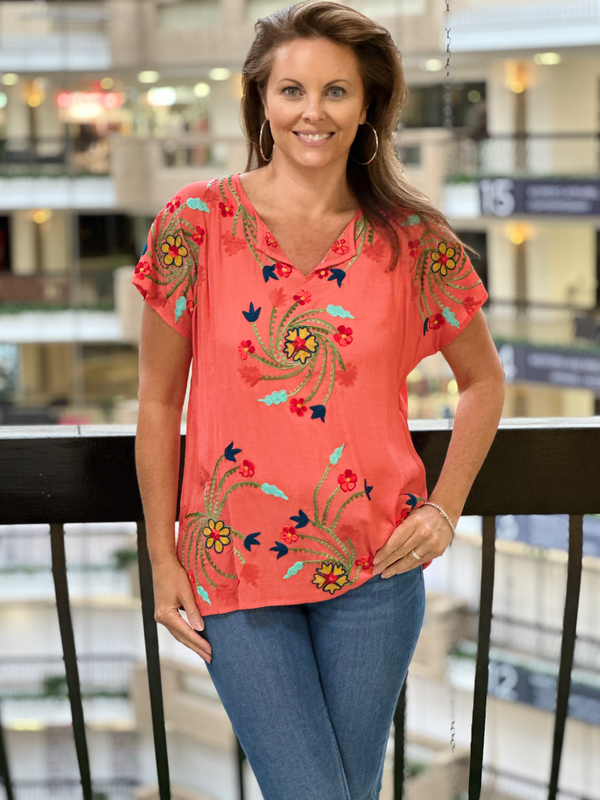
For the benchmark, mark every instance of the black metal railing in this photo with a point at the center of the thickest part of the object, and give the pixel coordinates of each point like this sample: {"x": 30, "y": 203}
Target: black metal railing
{"x": 543, "y": 155}
{"x": 54, "y": 155}
{"x": 535, "y": 466}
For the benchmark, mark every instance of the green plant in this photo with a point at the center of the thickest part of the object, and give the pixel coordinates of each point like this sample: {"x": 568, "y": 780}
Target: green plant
{"x": 55, "y": 686}
{"x": 124, "y": 557}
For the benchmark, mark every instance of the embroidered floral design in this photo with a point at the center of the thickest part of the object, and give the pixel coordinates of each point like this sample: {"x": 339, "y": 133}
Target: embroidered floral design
{"x": 207, "y": 532}
{"x": 283, "y": 270}
{"x": 191, "y": 307}
{"x": 336, "y": 557}
{"x": 323, "y": 272}
{"x": 174, "y": 204}
{"x": 270, "y": 240}
{"x": 174, "y": 250}
{"x": 302, "y": 297}
{"x": 414, "y": 247}
{"x": 348, "y": 377}
{"x": 198, "y": 237}
{"x": 226, "y": 209}
{"x": 344, "y": 336}
{"x": 340, "y": 247}
{"x": 440, "y": 272}
{"x": 143, "y": 268}
{"x": 300, "y": 344}
{"x": 297, "y": 406}
{"x": 245, "y": 347}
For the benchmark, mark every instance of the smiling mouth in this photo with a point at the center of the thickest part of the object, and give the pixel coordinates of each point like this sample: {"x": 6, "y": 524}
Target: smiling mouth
{"x": 313, "y": 137}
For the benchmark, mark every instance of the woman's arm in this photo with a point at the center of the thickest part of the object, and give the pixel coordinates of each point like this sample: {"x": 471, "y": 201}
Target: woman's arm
{"x": 473, "y": 358}
{"x": 165, "y": 357}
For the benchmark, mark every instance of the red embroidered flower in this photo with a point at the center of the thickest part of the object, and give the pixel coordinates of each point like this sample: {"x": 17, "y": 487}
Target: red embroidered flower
{"x": 323, "y": 272}
{"x": 174, "y": 204}
{"x": 348, "y": 377}
{"x": 198, "y": 237}
{"x": 436, "y": 321}
{"x": 289, "y": 535}
{"x": 469, "y": 304}
{"x": 366, "y": 562}
{"x": 302, "y": 297}
{"x": 226, "y": 209}
{"x": 344, "y": 336}
{"x": 297, "y": 406}
{"x": 191, "y": 307}
{"x": 192, "y": 579}
{"x": 347, "y": 480}
{"x": 245, "y": 347}
{"x": 415, "y": 246}
{"x": 247, "y": 469}
{"x": 283, "y": 270}
{"x": 270, "y": 240}
{"x": 340, "y": 247}
{"x": 143, "y": 269}
{"x": 402, "y": 516}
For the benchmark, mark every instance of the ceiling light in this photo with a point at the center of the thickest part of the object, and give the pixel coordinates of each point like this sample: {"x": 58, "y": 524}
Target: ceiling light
{"x": 547, "y": 59}
{"x": 219, "y": 74}
{"x": 432, "y": 65}
{"x": 107, "y": 83}
{"x": 3, "y": 99}
{"x": 201, "y": 89}
{"x": 10, "y": 78}
{"x": 162, "y": 96}
{"x": 148, "y": 76}
{"x": 474, "y": 96}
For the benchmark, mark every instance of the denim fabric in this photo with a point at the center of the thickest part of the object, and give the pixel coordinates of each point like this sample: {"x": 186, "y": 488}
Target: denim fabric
{"x": 311, "y": 689}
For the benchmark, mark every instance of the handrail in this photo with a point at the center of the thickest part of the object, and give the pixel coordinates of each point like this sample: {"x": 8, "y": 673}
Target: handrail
{"x": 87, "y": 474}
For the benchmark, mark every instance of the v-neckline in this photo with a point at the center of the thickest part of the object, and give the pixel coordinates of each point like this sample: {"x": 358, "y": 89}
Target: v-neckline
{"x": 346, "y": 250}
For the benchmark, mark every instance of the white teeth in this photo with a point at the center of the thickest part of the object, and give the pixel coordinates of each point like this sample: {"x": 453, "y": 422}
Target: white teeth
{"x": 314, "y": 135}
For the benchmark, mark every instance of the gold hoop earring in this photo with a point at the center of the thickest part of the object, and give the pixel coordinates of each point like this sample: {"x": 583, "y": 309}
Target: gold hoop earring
{"x": 260, "y": 141}
{"x": 364, "y": 163}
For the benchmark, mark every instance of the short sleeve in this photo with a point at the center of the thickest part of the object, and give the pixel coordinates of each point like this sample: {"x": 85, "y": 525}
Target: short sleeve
{"x": 445, "y": 290}
{"x": 166, "y": 275}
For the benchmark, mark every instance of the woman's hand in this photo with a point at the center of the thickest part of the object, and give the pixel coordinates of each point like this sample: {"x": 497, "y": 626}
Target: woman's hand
{"x": 425, "y": 531}
{"x": 172, "y": 592}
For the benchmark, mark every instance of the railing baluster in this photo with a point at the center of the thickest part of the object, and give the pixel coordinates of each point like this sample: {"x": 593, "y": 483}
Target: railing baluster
{"x": 399, "y": 744}
{"x": 567, "y": 649}
{"x": 4, "y": 768}
{"x": 61, "y": 588}
{"x": 153, "y": 664}
{"x": 488, "y": 554}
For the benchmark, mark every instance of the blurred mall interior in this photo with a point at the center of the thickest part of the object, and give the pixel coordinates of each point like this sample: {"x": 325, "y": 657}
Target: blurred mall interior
{"x": 108, "y": 108}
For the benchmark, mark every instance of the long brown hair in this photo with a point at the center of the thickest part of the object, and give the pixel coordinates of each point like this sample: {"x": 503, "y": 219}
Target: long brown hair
{"x": 381, "y": 188}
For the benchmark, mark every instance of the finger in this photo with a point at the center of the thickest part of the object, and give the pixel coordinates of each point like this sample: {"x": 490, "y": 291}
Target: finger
{"x": 414, "y": 540}
{"x": 401, "y": 534}
{"x": 191, "y": 612}
{"x": 185, "y": 634}
{"x": 407, "y": 563}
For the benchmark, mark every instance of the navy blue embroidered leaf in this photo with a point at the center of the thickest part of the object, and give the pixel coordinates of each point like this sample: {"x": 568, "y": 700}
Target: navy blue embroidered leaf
{"x": 144, "y": 251}
{"x": 231, "y": 452}
{"x": 250, "y": 540}
{"x": 412, "y": 501}
{"x": 337, "y": 275}
{"x": 269, "y": 272}
{"x": 301, "y": 520}
{"x": 280, "y": 548}
{"x": 252, "y": 314}
{"x": 425, "y": 326}
{"x": 368, "y": 490}
{"x": 318, "y": 412}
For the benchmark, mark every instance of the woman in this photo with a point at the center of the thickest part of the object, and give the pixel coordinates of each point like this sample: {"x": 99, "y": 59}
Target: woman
{"x": 306, "y": 289}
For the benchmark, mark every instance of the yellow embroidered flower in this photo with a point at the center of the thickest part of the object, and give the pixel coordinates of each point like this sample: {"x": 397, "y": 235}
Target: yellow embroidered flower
{"x": 444, "y": 259}
{"x": 300, "y": 344}
{"x": 217, "y": 535}
{"x": 174, "y": 249}
{"x": 330, "y": 577}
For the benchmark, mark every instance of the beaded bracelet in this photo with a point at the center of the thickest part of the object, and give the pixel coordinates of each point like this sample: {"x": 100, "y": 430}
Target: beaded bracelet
{"x": 443, "y": 513}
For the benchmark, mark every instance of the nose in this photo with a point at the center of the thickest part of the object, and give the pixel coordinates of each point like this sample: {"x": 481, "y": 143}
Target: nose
{"x": 313, "y": 107}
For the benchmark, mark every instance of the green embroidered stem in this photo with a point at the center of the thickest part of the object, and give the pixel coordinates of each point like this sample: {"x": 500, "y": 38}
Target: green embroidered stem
{"x": 353, "y": 559}
{"x": 237, "y": 533}
{"x": 328, "y": 469}
{"x": 312, "y": 321}
{"x": 224, "y": 478}
{"x": 296, "y": 389}
{"x": 274, "y": 364}
{"x": 331, "y": 377}
{"x": 333, "y": 536}
{"x": 279, "y": 335}
{"x": 214, "y": 566}
{"x": 203, "y": 565}
{"x": 239, "y": 555}
{"x": 337, "y": 489}
{"x": 266, "y": 349}
{"x": 343, "y": 506}
{"x": 232, "y": 489}
{"x": 282, "y": 377}
{"x": 321, "y": 373}
{"x": 213, "y": 483}
{"x": 323, "y": 542}
{"x": 308, "y": 550}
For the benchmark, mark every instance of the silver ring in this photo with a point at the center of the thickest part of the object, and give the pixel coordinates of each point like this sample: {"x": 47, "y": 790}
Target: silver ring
{"x": 415, "y": 555}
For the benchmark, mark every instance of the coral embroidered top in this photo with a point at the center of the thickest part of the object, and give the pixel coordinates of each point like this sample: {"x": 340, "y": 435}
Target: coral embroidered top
{"x": 299, "y": 463}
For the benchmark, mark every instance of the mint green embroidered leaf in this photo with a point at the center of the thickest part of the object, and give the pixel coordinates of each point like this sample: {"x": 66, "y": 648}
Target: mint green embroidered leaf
{"x": 336, "y": 455}
{"x": 274, "y": 398}
{"x": 414, "y": 219}
{"x": 197, "y": 204}
{"x": 269, "y": 488}
{"x": 338, "y": 311}
{"x": 204, "y": 594}
{"x": 294, "y": 569}
{"x": 180, "y": 307}
{"x": 449, "y": 317}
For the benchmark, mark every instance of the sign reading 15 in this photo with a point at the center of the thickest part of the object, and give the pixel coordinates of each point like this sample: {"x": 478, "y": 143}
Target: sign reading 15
{"x": 497, "y": 198}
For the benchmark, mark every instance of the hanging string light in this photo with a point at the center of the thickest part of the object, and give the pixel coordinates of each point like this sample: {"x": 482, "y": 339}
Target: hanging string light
{"x": 447, "y": 111}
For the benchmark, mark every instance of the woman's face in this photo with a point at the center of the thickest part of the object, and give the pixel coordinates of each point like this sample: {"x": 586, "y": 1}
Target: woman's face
{"x": 314, "y": 88}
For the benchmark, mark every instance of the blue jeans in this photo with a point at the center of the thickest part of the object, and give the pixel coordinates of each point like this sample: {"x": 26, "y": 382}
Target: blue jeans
{"x": 311, "y": 689}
